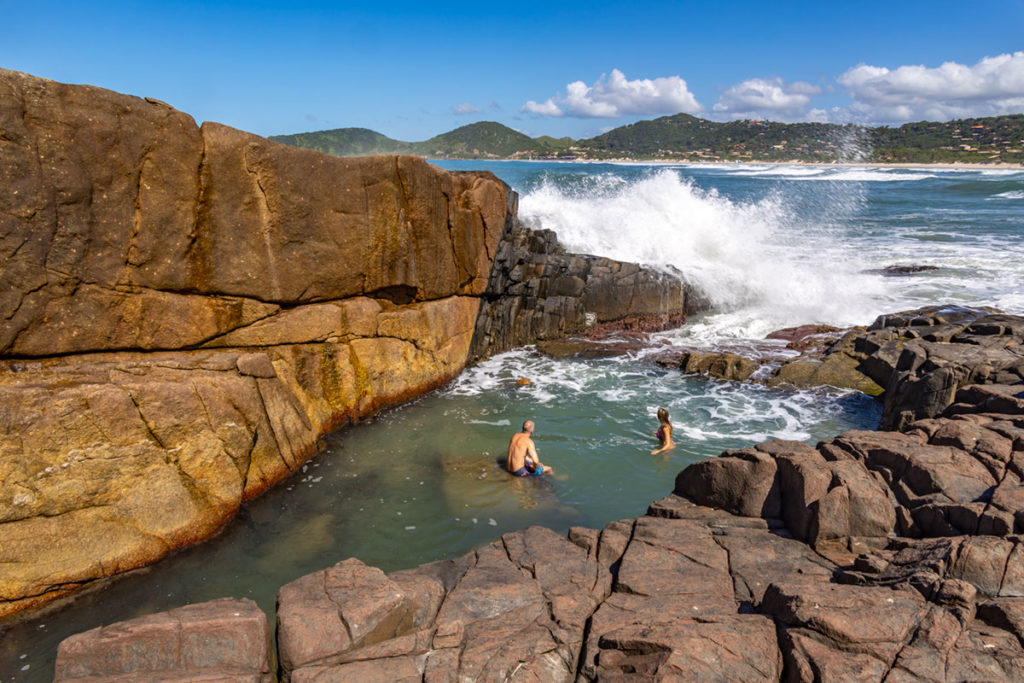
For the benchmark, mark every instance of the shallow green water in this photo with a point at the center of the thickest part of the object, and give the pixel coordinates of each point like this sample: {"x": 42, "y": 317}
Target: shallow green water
{"x": 773, "y": 245}
{"x": 423, "y": 481}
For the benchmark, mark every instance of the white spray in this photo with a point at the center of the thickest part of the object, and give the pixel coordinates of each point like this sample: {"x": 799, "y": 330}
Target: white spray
{"x": 761, "y": 266}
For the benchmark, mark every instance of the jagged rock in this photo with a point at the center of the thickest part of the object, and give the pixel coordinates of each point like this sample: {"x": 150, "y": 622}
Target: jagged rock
{"x": 539, "y": 292}
{"x": 515, "y": 607}
{"x": 922, "y": 363}
{"x": 806, "y": 337}
{"x": 221, "y": 640}
{"x": 836, "y": 370}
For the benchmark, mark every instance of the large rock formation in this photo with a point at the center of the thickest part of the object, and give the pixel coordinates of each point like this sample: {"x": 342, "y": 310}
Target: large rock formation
{"x": 185, "y": 311}
{"x": 538, "y": 291}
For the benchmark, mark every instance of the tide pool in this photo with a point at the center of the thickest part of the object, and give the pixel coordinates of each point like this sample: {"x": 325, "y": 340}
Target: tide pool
{"x": 773, "y": 246}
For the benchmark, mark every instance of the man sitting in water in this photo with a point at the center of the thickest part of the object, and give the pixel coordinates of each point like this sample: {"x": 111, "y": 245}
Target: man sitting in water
{"x": 522, "y": 454}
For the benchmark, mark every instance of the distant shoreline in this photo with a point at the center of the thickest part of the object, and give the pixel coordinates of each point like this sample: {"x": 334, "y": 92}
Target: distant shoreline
{"x": 950, "y": 165}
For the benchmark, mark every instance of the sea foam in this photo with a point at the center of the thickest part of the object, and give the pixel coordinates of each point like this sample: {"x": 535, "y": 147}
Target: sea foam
{"x": 760, "y": 263}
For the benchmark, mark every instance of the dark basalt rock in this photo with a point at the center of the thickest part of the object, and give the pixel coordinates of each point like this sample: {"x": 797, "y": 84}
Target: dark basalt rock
{"x": 937, "y": 360}
{"x": 537, "y": 291}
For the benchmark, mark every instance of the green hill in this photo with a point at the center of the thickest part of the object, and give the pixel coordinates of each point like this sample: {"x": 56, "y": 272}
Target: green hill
{"x": 346, "y": 142}
{"x": 685, "y": 137}
{"x": 477, "y": 140}
{"x": 994, "y": 138}
{"x": 688, "y": 136}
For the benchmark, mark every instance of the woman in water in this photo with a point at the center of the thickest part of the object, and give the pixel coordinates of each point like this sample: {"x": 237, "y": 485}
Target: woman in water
{"x": 664, "y": 433}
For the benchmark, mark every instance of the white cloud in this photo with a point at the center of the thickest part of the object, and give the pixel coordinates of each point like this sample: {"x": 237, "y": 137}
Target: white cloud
{"x": 548, "y": 108}
{"x": 613, "y": 96}
{"x": 995, "y": 85}
{"x": 767, "y": 98}
{"x": 465, "y": 108}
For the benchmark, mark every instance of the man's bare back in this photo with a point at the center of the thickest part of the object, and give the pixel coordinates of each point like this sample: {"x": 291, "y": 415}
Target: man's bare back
{"x": 522, "y": 458}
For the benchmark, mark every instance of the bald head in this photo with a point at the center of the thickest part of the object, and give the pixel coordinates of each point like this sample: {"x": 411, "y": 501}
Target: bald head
{"x": 528, "y": 426}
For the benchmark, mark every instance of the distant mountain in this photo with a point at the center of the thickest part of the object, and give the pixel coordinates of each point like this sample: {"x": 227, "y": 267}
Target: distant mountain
{"x": 346, "y": 142}
{"x": 686, "y": 137}
{"x": 484, "y": 139}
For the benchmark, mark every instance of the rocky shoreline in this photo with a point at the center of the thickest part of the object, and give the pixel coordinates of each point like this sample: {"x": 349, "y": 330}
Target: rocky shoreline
{"x": 188, "y": 309}
{"x": 876, "y": 556}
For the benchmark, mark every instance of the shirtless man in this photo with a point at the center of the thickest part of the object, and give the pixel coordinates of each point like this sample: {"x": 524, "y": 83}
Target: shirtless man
{"x": 522, "y": 454}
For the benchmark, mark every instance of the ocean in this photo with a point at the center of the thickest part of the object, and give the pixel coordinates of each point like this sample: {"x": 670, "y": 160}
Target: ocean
{"x": 771, "y": 246}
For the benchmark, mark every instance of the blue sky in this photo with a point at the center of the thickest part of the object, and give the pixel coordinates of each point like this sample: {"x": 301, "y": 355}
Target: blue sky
{"x": 413, "y": 70}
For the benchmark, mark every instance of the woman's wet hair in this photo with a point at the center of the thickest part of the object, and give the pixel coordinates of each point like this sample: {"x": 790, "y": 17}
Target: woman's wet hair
{"x": 662, "y": 415}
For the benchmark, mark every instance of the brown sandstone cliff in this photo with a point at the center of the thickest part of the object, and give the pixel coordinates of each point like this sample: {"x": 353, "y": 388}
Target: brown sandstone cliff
{"x": 185, "y": 311}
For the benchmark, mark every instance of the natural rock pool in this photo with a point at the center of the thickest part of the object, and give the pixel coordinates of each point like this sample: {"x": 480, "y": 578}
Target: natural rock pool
{"x": 422, "y": 482}
{"x": 773, "y": 245}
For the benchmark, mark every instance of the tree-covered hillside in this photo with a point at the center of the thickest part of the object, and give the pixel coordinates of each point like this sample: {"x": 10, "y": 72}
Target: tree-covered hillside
{"x": 346, "y": 142}
{"x": 686, "y": 137}
{"x": 477, "y": 140}
{"x": 995, "y": 138}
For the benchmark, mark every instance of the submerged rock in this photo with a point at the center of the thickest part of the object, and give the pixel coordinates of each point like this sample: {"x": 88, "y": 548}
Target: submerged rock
{"x": 715, "y": 364}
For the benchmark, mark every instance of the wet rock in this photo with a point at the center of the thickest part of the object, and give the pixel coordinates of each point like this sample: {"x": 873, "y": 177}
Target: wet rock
{"x": 539, "y": 292}
{"x": 224, "y": 639}
{"x": 806, "y": 337}
{"x": 575, "y": 347}
{"x": 901, "y": 270}
{"x": 836, "y": 370}
{"x": 720, "y": 365}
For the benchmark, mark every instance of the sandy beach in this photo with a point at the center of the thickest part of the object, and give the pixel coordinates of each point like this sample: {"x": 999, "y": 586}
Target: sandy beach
{"x": 962, "y": 166}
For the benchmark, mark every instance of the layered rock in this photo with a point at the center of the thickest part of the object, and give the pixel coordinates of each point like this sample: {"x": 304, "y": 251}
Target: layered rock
{"x": 185, "y": 311}
{"x": 538, "y": 291}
